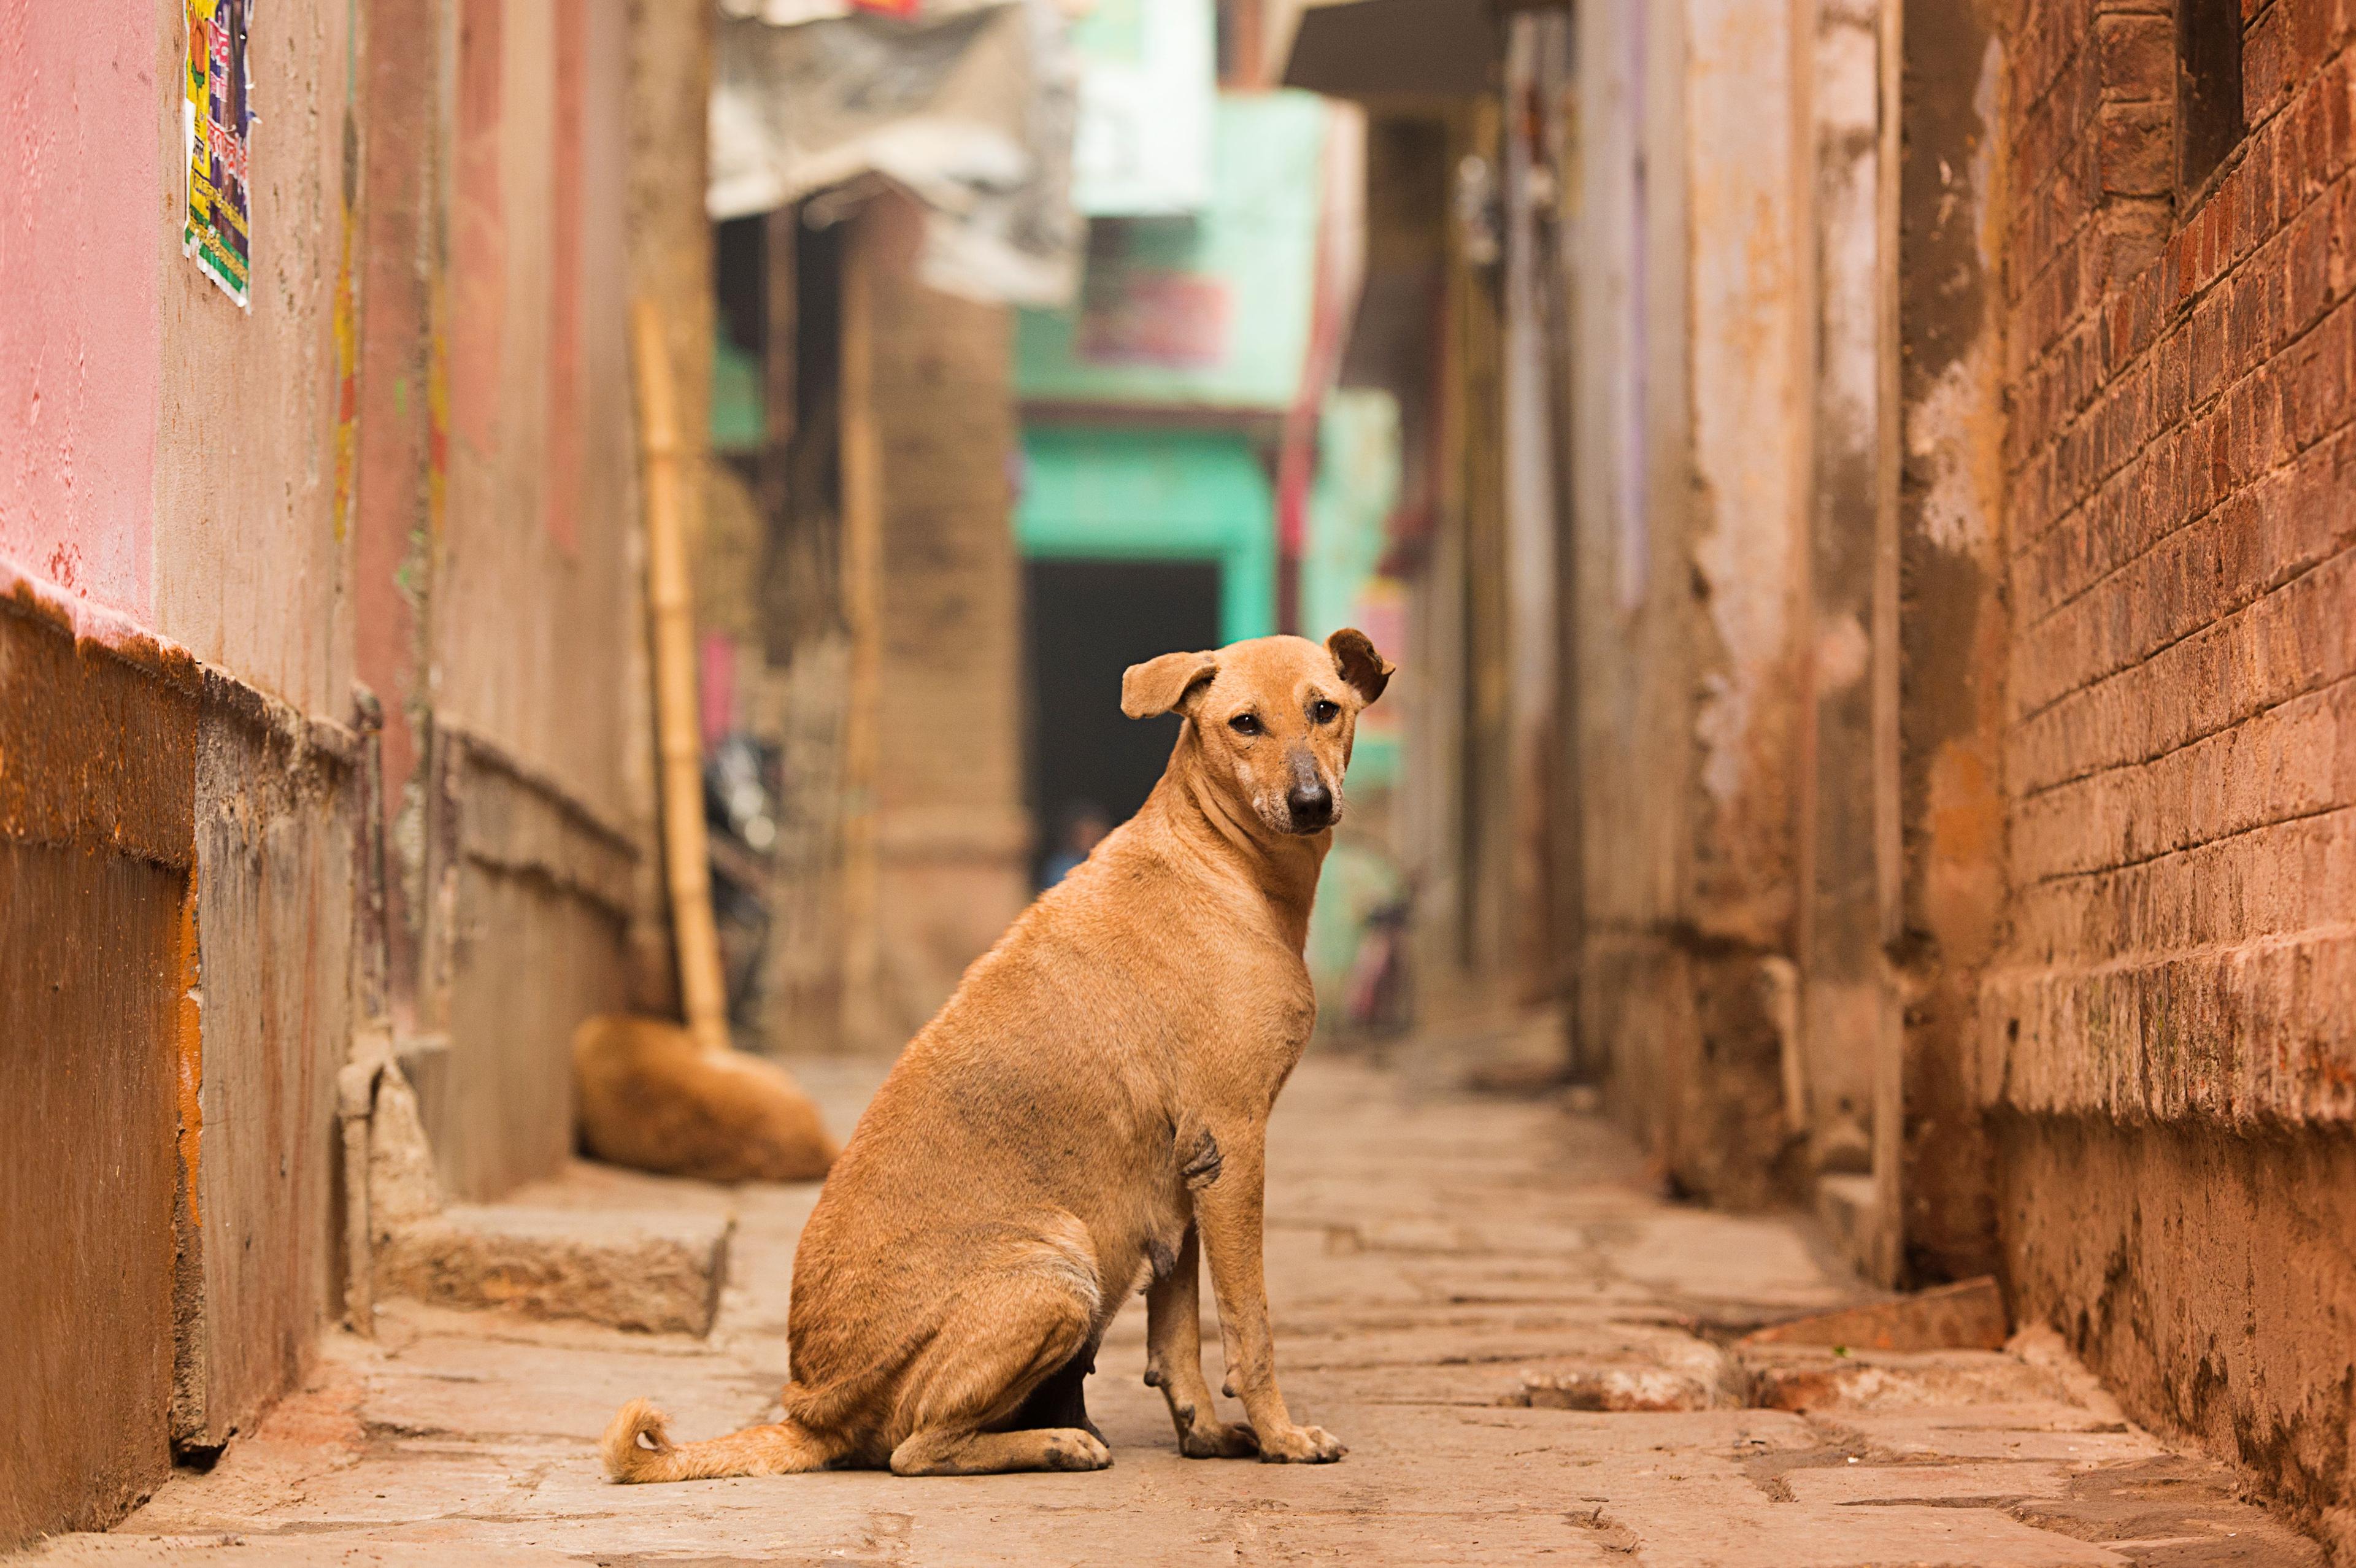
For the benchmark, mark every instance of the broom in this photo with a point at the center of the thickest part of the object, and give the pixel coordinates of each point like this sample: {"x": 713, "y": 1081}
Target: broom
{"x": 652, "y": 1094}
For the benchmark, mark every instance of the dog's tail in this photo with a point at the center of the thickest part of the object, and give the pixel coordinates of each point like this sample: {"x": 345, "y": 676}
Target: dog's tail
{"x": 638, "y": 1447}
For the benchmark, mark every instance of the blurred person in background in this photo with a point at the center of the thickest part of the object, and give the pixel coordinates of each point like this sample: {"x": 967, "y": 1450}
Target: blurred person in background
{"x": 1085, "y": 824}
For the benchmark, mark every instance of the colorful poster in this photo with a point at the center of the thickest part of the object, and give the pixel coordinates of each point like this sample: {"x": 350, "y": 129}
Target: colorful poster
{"x": 1151, "y": 316}
{"x": 218, "y": 121}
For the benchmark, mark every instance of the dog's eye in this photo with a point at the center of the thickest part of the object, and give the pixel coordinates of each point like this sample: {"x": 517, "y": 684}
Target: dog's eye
{"x": 1244, "y": 724}
{"x": 1324, "y": 712}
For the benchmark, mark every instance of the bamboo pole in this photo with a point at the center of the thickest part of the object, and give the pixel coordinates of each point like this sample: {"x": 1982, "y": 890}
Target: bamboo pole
{"x": 678, "y": 744}
{"x": 862, "y": 565}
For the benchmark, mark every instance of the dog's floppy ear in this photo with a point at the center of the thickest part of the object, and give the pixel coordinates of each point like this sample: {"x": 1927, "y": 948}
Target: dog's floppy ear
{"x": 1157, "y": 686}
{"x": 1355, "y": 660}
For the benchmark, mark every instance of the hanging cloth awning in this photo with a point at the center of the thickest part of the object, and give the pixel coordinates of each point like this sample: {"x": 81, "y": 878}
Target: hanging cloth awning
{"x": 967, "y": 107}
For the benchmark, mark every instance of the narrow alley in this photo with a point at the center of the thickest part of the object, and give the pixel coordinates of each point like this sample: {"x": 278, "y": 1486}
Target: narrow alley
{"x": 1720, "y": 633}
{"x": 1460, "y": 1283}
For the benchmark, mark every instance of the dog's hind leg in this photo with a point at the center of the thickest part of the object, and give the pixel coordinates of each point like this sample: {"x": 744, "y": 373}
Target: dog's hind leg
{"x": 963, "y": 1398}
{"x": 1173, "y": 1360}
{"x": 1062, "y": 1400}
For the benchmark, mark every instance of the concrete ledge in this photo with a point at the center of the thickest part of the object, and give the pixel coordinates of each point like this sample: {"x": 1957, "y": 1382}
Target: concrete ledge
{"x": 657, "y": 1273}
{"x": 2247, "y": 1036}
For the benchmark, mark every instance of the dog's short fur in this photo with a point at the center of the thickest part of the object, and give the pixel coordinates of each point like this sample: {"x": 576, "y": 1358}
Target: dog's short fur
{"x": 652, "y": 1098}
{"x": 1086, "y": 1111}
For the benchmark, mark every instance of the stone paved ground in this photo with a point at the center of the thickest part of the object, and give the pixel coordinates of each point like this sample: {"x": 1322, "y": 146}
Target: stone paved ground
{"x": 1434, "y": 1258}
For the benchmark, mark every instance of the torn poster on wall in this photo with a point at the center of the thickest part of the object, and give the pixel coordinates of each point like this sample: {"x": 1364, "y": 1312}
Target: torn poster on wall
{"x": 216, "y": 119}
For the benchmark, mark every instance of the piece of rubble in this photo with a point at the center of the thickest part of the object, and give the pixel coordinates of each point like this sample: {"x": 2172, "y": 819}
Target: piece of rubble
{"x": 1655, "y": 1368}
{"x": 1617, "y": 1390}
{"x": 1810, "y": 1379}
{"x": 1968, "y": 1315}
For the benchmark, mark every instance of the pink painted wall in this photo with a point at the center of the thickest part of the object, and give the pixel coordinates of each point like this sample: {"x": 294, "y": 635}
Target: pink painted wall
{"x": 79, "y": 377}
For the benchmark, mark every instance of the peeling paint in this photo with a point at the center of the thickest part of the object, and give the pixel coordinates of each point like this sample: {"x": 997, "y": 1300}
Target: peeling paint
{"x": 189, "y": 1058}
{"x": 347, "y": 331}
{"x": 1956, "y": 447}
{"x": 1748, "y": 349}
{"x": 94, "y": 624}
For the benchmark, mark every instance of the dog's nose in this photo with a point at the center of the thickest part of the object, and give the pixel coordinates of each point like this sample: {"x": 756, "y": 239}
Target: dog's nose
{"x": 1312, "y": 805}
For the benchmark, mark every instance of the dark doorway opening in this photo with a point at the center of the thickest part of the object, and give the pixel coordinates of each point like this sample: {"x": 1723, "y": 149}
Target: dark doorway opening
{"x": 1090, "y": 620}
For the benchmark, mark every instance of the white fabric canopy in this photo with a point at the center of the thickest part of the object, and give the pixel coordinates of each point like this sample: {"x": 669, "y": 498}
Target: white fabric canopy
{"x": 969, "y": 107}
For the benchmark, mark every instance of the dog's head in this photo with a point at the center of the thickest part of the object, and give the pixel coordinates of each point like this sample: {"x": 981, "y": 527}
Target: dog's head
{"x": 1268, "y": 721}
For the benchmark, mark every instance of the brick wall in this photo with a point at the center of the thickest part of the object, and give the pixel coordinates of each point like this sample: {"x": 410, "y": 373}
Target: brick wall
{"x": 2179, "y": 728}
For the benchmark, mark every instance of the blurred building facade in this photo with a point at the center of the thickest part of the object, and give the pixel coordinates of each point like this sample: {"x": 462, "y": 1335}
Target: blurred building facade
{"x": 1076, "y": 459}
{"x": 1882, "y": 621}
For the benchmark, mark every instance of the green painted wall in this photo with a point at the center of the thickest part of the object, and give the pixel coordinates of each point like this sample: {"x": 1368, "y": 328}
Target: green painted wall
{"x": 1135, "y": 495}
{"x": 740, "y": 421}
{"x": 1350, "y": 506}
{"x": 1210, "y": 311}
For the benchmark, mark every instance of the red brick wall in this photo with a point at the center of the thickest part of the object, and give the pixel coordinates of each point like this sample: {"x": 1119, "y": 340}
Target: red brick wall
{"x": 2180, "y": 726}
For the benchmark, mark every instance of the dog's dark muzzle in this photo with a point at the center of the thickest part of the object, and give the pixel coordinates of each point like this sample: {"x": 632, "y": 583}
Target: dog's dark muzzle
{"x": 1308, "y": 802}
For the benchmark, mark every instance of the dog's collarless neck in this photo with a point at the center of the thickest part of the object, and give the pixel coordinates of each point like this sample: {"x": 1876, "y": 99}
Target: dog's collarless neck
{"x": 1282, "y": 868}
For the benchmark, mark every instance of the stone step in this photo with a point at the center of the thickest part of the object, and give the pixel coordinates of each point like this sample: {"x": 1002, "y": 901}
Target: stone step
{"x": 654, "y": 1271}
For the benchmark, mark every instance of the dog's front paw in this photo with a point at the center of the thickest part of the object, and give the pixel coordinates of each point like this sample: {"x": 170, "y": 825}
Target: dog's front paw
{"x": 1301, "y": 1445}
{"x": 1217, "y": 1440}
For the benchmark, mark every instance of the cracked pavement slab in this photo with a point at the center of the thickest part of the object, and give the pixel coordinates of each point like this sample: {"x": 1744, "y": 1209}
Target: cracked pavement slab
{"x": 1530, "y": 1352}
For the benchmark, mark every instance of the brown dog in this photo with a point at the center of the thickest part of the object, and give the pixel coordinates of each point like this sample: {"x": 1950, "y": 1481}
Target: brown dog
{"x": 1092, "y": 1098}
{"x": 650, "y": 1097}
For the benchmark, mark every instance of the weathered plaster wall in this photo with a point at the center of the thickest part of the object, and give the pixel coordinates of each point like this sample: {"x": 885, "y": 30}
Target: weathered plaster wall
{"x": 176, "y": 991}
{"x": 533, "y": 578}
{"x": 532, "y": 892}
{"x": 1746, "y": 165}
{"x": 177, "y": 820}
{"x": 532, "y": 596}
{"x": 1627, "y": 487}
{"x": 1461, "y": 620}
{"x": 952, "y": 837}
{"x": 1689, "y": 484}
{"x": 172, "y": 457}
{"x": 275, "y": 927}
{"x": 251, "y": 550}
{"x": 1525, "y": 815}
{"x": 1847, "y": 1005}
{"x": 185, "y": 462}
{"x": 79, "y": 378}
{"x": 2166, "y": 1032}
{"x": 1953, "y": 620}
{"x": 1477, "y": 533}
{"x": 97, "y": 752}
{"x": 398, "y": 415}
